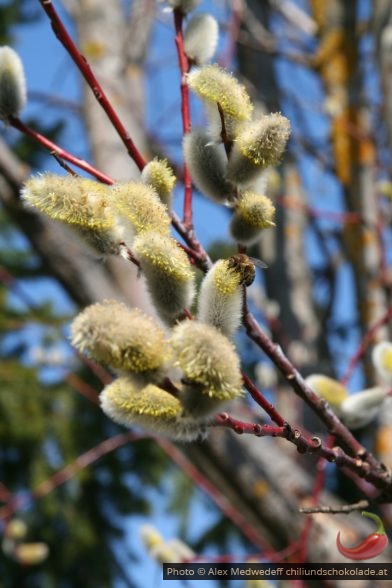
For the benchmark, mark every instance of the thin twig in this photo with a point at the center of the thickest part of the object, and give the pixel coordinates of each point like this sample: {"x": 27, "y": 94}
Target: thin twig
{"x": 62, "y": 34}
{"x": 183, "y": 63}
{"x": 345, "y": 508}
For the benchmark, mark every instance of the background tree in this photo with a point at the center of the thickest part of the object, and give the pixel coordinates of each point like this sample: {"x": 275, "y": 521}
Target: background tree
{"x": 328, "y": 253}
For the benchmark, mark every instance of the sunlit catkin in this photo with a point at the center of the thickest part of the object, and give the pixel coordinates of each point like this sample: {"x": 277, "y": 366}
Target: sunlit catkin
{"x": 123, "y": 338}
{"x": 141, "y": 206}
{"x": 149, "y": 407}
{"x": 252, "y": 214}
{"x": 210, "y": 365}
{"x": 159, "y": 175}
{"x": 258, "y": 146}
{"x": 168, "y": 272}
{"x": 201, "y": 38}
{"x": 80, "y": 202}
{"x": 207, "y": 164}
{"x": 12, "y": 83}
{"x": 220, "y": 298}
{"x": 214, "y": 86}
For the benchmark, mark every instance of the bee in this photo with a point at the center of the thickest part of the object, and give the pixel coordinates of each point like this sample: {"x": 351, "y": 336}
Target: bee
{"x": 245, "y": 266}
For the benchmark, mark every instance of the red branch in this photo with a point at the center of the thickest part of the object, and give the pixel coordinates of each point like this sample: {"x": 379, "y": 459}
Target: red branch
{"x": 55, "y": 149}
{"x": 183, "y": 63}
{"x": 240, "y": 427}
{"x": 62, "y": 34}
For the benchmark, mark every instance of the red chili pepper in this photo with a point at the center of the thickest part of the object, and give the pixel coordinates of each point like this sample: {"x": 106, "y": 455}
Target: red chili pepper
{"x": 371, "y": 546}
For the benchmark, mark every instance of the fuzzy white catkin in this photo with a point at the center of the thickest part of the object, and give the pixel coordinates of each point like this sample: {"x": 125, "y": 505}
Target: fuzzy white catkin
{"x": 207, "y": 164}
{"x": 12, "y": 83}
{"x": 361, "y": 408}
{"x": 201, "y": 37}
{"x": 220, "y": 298}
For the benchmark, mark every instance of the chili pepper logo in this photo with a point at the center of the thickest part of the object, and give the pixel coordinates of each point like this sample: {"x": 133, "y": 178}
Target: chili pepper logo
{"x": 372, "y": 546}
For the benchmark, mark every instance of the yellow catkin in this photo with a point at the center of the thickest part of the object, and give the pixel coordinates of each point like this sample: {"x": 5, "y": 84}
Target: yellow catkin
{"x": 331, "y": 390}
{"x": 216, "y": 85}
{"x": 126, "y": 339}
{"x": 168, "y": 273}
{"x": 207, "y": 358}
{"x": 158, "y": 174}
{"x": 141, "y": 206}
{"x": 253, "y": 213}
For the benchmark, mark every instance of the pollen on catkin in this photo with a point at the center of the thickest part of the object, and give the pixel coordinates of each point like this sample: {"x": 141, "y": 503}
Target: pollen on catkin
{"x": 210, "y": 365}
{"x": 159, "y": 175}
{"x": 12, "y": 83}
{"x": 150, "y": 407}
{"x": 168, "y": 272}
{"x": 257, "y": 146}
{"x": 80, "y": 202}
{"x": 207, "y": 164}
{"x": 141, "y": 206}
{"x": 253, "y": 213}
{"x": 123, "y": 338}
{"x": 220, "y": 298}
{"x": 201, "y": 37}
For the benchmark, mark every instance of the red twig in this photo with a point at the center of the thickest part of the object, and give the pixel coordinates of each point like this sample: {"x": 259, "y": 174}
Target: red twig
{"x": 55, "y": 149}
{"x": 240, "y": 427}
{"x": 62, "y": 34}
{"x": 366, "y": 340}
{"x": 263, "y": 402}
{"x": 343, "y": 217}
{"x": 183, "y": 63}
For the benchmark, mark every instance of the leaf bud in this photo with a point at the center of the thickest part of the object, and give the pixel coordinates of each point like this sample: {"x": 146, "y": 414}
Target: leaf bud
{"x": 253, "y": 213}
{"x": 141, "y": 206}
{"x": 201, "y": 38}
{"x": 361, "y": 408}
{"x": 329, "y": 389}
{"x": 257, "y": 146}
{"x": 207, "y": 164}
{"x": 79, "y": 202}
{"x": 210, "y": 365}
{"x": 382, "y": 360}
{"x": 220, "y": 298}
{"x": 150, "y": 407}
{"x": 168, "y": 272}
{"x": 123, "y": 338}
{"x": 160, "y": 176}
{"x": 12, "y": 83}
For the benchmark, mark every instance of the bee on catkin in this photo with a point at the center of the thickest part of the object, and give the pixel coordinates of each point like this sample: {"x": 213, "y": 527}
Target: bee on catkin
{"x": 168, "y": 273}
{"x": 12, "y": 83}
{"x": 252, "y": 214}
{"x": 126, "y": 339}
{"x": 211, "y": 367}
